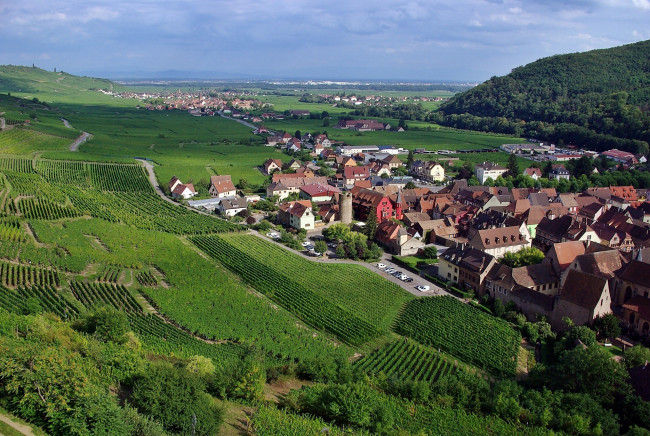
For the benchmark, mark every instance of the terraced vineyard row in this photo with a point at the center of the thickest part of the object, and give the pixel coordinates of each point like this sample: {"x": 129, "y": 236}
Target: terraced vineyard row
{"x": 42, "y": 209}
{"x": 463, "y": 331}
{"x": 20, "y": 140}
{"x": 350, "y": 286}
{"x": 12, "y": 274}
{"x": 110, "y": 274}
{"x": 147, "y": 279}
{"x": 407, "y": 360}
{"x": 165, "y": 338}
{"x": 69, "y": 173}
{"x": 143, "y": 209}
{"x": 294, "y": 297}
{"x": 20, "y": 165}
{"x": 97, "y": 294}
{"x": 20, "y": 301}
{"x": 10, "y": 230}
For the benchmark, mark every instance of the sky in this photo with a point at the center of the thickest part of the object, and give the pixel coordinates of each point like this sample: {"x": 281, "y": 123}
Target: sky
{"x": 434, "y": 40}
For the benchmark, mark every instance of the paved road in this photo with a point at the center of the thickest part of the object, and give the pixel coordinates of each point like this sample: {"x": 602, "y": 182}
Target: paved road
{"x": 409, "y": 287}
{"x": 20, "y": 428}
{"x": 245, "y": 123}
{"x": 80, "y": 140}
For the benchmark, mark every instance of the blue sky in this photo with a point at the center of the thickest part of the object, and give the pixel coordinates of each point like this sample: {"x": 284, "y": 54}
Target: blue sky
{"x": 461, "y": 40}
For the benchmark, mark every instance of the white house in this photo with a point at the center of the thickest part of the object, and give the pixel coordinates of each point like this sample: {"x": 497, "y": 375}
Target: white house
{"x": 488, "y": 170}
{"x": 231, "y": 206}
{"x": 221, "y": 187}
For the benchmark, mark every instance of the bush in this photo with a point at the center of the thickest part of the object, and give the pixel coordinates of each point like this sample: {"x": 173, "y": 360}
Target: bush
{"x": 105, "y": 323}
{"x": 174, "y": 397}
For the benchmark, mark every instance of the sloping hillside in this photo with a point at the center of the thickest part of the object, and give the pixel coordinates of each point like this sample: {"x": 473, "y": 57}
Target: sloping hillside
{"x": 31, "y": 79}
{"x": 598, "y": 99}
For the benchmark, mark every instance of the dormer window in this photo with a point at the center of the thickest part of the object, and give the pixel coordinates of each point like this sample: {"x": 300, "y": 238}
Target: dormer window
{"x": 487, "y": 241}
{"x": 496, "y": 240}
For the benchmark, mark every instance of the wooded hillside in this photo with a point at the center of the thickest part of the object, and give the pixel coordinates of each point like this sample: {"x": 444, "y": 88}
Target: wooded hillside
{"x": 598, "y": 99}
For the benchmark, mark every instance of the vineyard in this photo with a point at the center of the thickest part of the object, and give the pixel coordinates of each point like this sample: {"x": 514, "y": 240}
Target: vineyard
{"x": 119, "y": 193}
{"x": 16, "y": 275}
{"x": 147, "y": 279}
{"x": 110, "y": 274}
{"x": 164, "y": 338}
{"x": 101, "y": 294}
{"x": 350, "y": 286}
{"x": 296, "y": 298}
{"x": 42, "y": 209}
{"x": 22, "y": 141}
{"x": 11, "y": 231}
{"x": 463, "y": 331}
{"x": 21, "y": 301}
{"x": 407, "y": 360}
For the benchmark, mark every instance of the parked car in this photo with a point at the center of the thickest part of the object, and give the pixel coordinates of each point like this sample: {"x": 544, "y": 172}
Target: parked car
{"x": 408, "y": 280}
{"x": 306, "y": 244}
{"x": 381, "y": 266}
{"x": 422, "y": 288}
{"x": 390, "y": 270}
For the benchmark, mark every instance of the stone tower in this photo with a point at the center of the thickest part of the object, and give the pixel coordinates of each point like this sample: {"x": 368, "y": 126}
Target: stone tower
{"x": 345, "y": 207}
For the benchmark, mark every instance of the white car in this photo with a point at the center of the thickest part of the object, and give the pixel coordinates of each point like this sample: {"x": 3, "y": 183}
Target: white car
{"x": 422, "y": 288}
{"x": 381, "y": 266}
{"x": 306, "y": 244}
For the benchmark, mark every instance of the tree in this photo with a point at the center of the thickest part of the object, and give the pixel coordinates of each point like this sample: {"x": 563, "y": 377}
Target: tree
{"x": 513, "y": 165}
{"x": 524, "y": 257}
{"x": 298, "y": 134}
{"x": 340, "y": 251}
{"x": 336, "y": 232}
{"x": 371, "y": 224}
{"x": 326, "y": 122}
{"x": 243, "y": 184}
{"x": 635, "y": 356}
{"x": 430, "y": 252}
{"x": 105, "y": 323}
{"x": 608, "y": 326}
{"x": 590, "y": 371}
{"x": 583, "y": 334}
{"x": 320, "y": 246}
{"x": 174, "y": 396}
{"x": 410, "y": 185}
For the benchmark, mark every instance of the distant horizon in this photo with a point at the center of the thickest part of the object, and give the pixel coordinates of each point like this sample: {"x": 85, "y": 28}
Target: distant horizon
{"x": 383, "y": 40}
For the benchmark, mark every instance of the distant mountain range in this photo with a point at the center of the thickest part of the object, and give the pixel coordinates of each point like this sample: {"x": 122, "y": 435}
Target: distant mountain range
{"x": 598, "y": 99}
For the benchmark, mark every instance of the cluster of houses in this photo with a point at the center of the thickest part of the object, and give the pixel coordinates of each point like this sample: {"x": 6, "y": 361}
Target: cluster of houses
{"x": 223, "y": 196}
{"x": 597, "y": 246}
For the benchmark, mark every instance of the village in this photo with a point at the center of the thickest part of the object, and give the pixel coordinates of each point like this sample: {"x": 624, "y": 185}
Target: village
{"x": 591, "y": 249}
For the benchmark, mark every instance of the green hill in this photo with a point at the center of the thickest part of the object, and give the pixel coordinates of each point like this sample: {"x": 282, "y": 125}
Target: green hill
{"x": 32, "y": 79}
{"x": 598, "y": 99}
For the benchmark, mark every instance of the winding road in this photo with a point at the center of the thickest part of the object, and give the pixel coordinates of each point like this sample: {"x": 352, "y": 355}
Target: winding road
{"x": 80, "y": 140}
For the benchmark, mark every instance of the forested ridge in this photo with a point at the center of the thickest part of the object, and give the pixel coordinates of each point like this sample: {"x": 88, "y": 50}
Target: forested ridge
{"x": 598, "y": 99}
